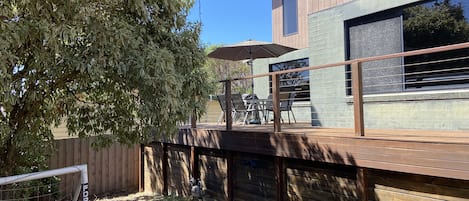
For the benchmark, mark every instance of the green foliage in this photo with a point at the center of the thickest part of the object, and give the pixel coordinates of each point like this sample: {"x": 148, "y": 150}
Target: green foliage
{"x": 220, "y": 69}
{"x": 434, "y": 24}
{"x": 442, "y": 23}
{"x": 125, "y": 71}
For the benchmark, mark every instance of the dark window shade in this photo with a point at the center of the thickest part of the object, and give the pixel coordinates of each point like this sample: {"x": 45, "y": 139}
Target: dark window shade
{"x": 297, "y": 82}
{"x": 373, "y": 38}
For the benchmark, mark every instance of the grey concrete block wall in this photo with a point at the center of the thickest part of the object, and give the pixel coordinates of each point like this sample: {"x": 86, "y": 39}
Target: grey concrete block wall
{"x": 328, "y": 89}
{"x": 331, "y": 107}
{"x": 328, "y": 86}
{"x": 261, "y": 85}
{"x": 426, "y": 114}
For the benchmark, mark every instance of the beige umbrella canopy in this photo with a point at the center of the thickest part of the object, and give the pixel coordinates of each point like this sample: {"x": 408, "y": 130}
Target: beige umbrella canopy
{"x": 250, "y": 49}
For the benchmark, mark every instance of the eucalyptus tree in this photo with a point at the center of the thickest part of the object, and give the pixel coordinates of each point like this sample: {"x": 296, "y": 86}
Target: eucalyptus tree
{"x": 220, "y": 69}
{"x": 124, "y": 71}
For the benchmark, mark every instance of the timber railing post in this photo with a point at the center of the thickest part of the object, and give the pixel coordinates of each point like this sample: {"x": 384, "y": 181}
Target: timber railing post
{"x": 357, "y": 91}
{"x": 228, "y": 116}
{"x": 276, "y": 101}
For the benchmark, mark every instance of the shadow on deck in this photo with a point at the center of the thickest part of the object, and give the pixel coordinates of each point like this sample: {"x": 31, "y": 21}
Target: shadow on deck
{"x": 435, "y": 153}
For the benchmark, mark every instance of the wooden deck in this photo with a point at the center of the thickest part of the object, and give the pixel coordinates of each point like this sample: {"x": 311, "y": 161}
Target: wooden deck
{"x": 434, "y": 153}
{"x": 307, "y": 129}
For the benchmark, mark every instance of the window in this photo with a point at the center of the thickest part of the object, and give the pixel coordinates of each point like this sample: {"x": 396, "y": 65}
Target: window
{"x": 423, "y": 25}
{"x": 297, "y": 82}
{"x": 432, "y": 24}
{"x": 290, "y": 17}
{"x": 376, "y": 35}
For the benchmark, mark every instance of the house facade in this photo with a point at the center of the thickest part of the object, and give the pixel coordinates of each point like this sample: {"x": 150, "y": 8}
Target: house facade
{"x": 413, "y": 145}
{"x": 399, "y": 93}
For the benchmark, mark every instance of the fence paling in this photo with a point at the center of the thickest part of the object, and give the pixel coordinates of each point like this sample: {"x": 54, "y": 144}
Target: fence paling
{"x": 119, "y": 172}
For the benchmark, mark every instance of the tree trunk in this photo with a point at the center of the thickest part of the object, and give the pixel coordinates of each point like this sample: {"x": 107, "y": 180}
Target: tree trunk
{"x": 8, "y": 157}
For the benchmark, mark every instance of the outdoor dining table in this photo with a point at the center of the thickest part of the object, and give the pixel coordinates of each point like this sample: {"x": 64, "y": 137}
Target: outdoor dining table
{"x": 259, "y": 105}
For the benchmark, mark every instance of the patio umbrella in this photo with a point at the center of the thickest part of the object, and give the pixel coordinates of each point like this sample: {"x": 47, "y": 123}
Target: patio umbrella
{"x": 251, "y": 50}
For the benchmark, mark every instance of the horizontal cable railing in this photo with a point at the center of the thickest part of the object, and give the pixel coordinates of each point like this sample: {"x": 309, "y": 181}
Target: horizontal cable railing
{"x": 337, "y": 94}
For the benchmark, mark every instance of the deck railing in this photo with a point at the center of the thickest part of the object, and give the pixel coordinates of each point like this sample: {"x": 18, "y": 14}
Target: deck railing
{"x": 439, "y": 68}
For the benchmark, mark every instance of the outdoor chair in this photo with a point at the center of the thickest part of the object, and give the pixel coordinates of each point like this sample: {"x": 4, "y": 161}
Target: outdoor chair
{"x": 239, "y": 108}
{"x": 221, "y": 100}
{"x": 286, "y": 102}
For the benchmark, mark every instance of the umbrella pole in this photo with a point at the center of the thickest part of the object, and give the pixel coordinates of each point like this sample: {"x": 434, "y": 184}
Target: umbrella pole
{"x": 252, "y": 79}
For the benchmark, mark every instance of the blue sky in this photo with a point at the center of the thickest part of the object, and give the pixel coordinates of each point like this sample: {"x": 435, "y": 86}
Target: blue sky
{"x": 232, "y": 21}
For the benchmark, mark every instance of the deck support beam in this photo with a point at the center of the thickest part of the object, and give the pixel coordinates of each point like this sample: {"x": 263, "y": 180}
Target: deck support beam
{"x": 165, "y": 168}
{"x": 362, "y": 184}
{"x": 280, "y": 179}
{"x": 194, "y": 162}
{"x": 141, "y": 156}
{"x": 230, "y": 175}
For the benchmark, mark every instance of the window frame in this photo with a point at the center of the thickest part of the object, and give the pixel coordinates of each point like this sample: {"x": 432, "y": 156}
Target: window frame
{"x": 286, "y": 15}
{"x": 383, "y": 15}
{"x": 305, "y": 91}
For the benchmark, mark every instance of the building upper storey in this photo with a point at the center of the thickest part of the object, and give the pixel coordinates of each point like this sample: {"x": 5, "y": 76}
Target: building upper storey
{"x": 290, "y": 19}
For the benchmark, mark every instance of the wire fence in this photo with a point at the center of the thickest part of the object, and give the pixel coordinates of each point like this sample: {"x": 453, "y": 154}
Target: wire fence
{"x": 41, "y": 189}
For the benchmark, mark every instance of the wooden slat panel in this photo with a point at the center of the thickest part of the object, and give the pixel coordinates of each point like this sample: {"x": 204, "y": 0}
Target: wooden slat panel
{"x": 99, "y": 172}
{"x": 111, "y": 182}
{"x": 315, "y": 181}
{"x": 298, "y": 40}
{"x": 123, "y": 171}
{"x": 118, "y": 171}
{"x": 319, "y": 5}
{"x": 104, "y": 176}
{"x": 444, "y": 159}
{"x": 387, "y": 185}
{"x": 178, "y": 171}
{"x": 92, "y": 171}
{"x": 318, "y": 181}
{"x": 61, "y": 160}
{"x": 214, "y": 177}
{"x": 305, "y": 8}
{"x": 69, "y": 161}
{"x": 255, "y": 178}
{"x": 136, "y": 168}
{"x": 129, "y": 169}
{"x": 105, "y": 170}
{"x": 153, "y": 170}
